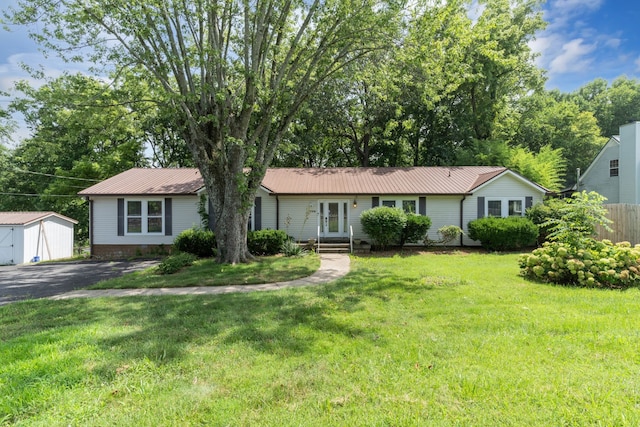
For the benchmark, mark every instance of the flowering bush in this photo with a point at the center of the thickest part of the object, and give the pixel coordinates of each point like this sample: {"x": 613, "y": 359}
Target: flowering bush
{"x": 595, "y": 264}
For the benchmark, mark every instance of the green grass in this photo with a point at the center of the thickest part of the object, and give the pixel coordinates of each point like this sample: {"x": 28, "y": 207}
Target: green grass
{"x": 206, "y": 272}
{"x": 451, "y": 340}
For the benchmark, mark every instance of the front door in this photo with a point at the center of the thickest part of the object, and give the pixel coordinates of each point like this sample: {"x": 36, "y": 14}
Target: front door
{"x": 333, "y": 218}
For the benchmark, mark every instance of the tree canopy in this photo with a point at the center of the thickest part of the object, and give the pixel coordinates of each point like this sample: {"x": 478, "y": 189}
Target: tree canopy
{"x": 235, "y": 73}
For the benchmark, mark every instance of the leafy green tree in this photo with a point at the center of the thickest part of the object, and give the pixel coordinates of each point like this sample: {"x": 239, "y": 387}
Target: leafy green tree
{"x": 612, "y": 105}
{"x": 541, "y": 120}
{"x": 460, "y": 75}
{"x": 578, "y": 220}
{"x": 546, "y": 167}
{"x": 236, "y": 73}
{"x": 82, "y": 132}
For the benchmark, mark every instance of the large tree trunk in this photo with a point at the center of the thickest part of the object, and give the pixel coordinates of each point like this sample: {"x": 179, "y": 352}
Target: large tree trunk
{"x": 232, "y": 195}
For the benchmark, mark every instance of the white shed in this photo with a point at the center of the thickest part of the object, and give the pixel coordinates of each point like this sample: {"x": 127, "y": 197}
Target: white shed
{"x": 35, "y": 236}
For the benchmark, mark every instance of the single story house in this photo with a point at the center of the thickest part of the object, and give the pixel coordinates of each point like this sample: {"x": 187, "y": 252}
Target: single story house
{"x": 615, "y": 171}
{"x": 140, "y": 210}
{"x": 35, "y": 236}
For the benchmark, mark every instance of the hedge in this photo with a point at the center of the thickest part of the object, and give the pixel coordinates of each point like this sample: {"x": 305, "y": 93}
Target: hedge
{"x": 503, "y": 234}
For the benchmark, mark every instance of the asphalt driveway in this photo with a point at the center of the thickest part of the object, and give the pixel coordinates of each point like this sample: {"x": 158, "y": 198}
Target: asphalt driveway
{"x": 20, "y": 282}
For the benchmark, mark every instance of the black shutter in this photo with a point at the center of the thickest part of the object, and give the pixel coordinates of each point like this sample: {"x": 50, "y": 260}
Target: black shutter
{"x": 257, "y": 221}
{"x": 375, "y": 202}
{"x": 422, "y": 205}
{"x": 528, "y": 202}
{"x": 168, "y": 217}
{"x": 120, "y": 217}
{"x": 480, "y": 207}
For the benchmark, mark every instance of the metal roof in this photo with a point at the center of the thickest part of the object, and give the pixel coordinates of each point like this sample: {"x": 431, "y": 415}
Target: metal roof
{"x": 139, "y": 181}
{"x": 317, "y": 181}
{"x": 412, "y": 180}
{"x": 25, "y": 218}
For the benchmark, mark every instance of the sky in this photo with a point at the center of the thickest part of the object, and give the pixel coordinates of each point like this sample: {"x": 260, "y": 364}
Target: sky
{"x": 584, "y": 40}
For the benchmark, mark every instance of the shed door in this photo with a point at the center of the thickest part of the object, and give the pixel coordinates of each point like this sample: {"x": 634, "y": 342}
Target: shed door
{"x": 6, "y": 245}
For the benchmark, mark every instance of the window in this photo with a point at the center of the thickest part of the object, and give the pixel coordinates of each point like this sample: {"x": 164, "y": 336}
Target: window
{"x": 503, "y": 207}
{"x": 494, "y": 207}
{"x": 613, "y": 167}
{"x": 134, "y": 217}
{"x": 144, "y": 217}
{"x": 408, "y": 205}
{"x": 515, "y": 207}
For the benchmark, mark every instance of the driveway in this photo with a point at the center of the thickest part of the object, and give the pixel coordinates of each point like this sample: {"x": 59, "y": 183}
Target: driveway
{"x": 20, "y": 282}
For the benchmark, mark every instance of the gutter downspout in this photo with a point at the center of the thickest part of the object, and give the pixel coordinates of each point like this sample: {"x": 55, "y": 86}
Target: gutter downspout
{"x": 464, "y": 197}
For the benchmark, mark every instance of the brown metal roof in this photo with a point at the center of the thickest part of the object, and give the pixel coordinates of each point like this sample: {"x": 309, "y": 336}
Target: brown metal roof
{"x": 170, "y": 181}
{"x": 412, "y": 180}
{"x": 24, "y": 218}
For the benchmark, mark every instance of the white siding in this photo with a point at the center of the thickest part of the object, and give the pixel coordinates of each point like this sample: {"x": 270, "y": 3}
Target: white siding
{"x": 105, "y": 221}
{"x": 300, "y": 215}
{"x": 443, "y": 210}
{"x": 268, "y": 209}
{"x": 597, "y": 178}
{"x": 630, "y": 163}
{"x": 54, "y": 240}
{"x": 504, "y": 187}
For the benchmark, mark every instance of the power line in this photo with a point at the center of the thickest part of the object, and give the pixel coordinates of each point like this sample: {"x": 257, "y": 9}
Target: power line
{"x": 56, "y": 176}
{"x": 38, "y": 195}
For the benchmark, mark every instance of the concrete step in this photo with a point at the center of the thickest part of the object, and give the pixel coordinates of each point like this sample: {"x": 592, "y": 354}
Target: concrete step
{"x": 333, "y": 247}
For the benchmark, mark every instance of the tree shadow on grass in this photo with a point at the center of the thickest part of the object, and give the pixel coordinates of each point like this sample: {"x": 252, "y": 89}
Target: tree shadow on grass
{"x": 66, "y": 341}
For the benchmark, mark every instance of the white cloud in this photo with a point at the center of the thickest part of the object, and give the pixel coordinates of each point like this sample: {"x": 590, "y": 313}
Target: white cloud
{"x": 613, "y": 42}
{"x": 637, "y": 62}
{"x": 570, "y": 5}
{"x": 574, "y": 57}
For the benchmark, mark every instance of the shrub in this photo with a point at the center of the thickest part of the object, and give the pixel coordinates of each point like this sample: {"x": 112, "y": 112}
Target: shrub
{"x": 291, "y": 248}
{"x": 174, "y": 263}
{"x": 503, "y": 234}
{"x": 542, "y": 213}
{"x": 196, "y": 241}
{"x": 383, "y": 224}
{"x": 598, "y": 264}
{"x": 266, "y": 242}
{"x": 448, "y": 234}
{"x": 415, "y": 229}
{"x": 579, "y": 218}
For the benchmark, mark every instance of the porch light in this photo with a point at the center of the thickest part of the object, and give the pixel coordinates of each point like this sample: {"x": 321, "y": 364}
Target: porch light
{"x": 355, "y": 203}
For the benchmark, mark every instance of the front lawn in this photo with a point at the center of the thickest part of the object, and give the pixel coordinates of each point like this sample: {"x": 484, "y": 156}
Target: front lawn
{"x": 431, "y": 339}
{"x": 207, "y": 272}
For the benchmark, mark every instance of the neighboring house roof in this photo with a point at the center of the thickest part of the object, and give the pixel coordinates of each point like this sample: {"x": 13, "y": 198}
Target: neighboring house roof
{"x": 294, "y": 181}
{"x": 138, "y": 181}
{"x": 26, "y": 218}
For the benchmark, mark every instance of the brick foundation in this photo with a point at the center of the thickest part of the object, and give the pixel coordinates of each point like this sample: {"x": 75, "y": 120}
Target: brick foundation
{"x": 128, "y": 251}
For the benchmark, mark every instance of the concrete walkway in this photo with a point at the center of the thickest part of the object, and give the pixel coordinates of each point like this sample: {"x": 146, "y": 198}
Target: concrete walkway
{"x": 332, "y": 267}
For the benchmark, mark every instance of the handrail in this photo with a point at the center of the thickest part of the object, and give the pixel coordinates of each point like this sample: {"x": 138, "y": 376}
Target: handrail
{"x": 318, "y": 241}
{"x": 351, "y": 237}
